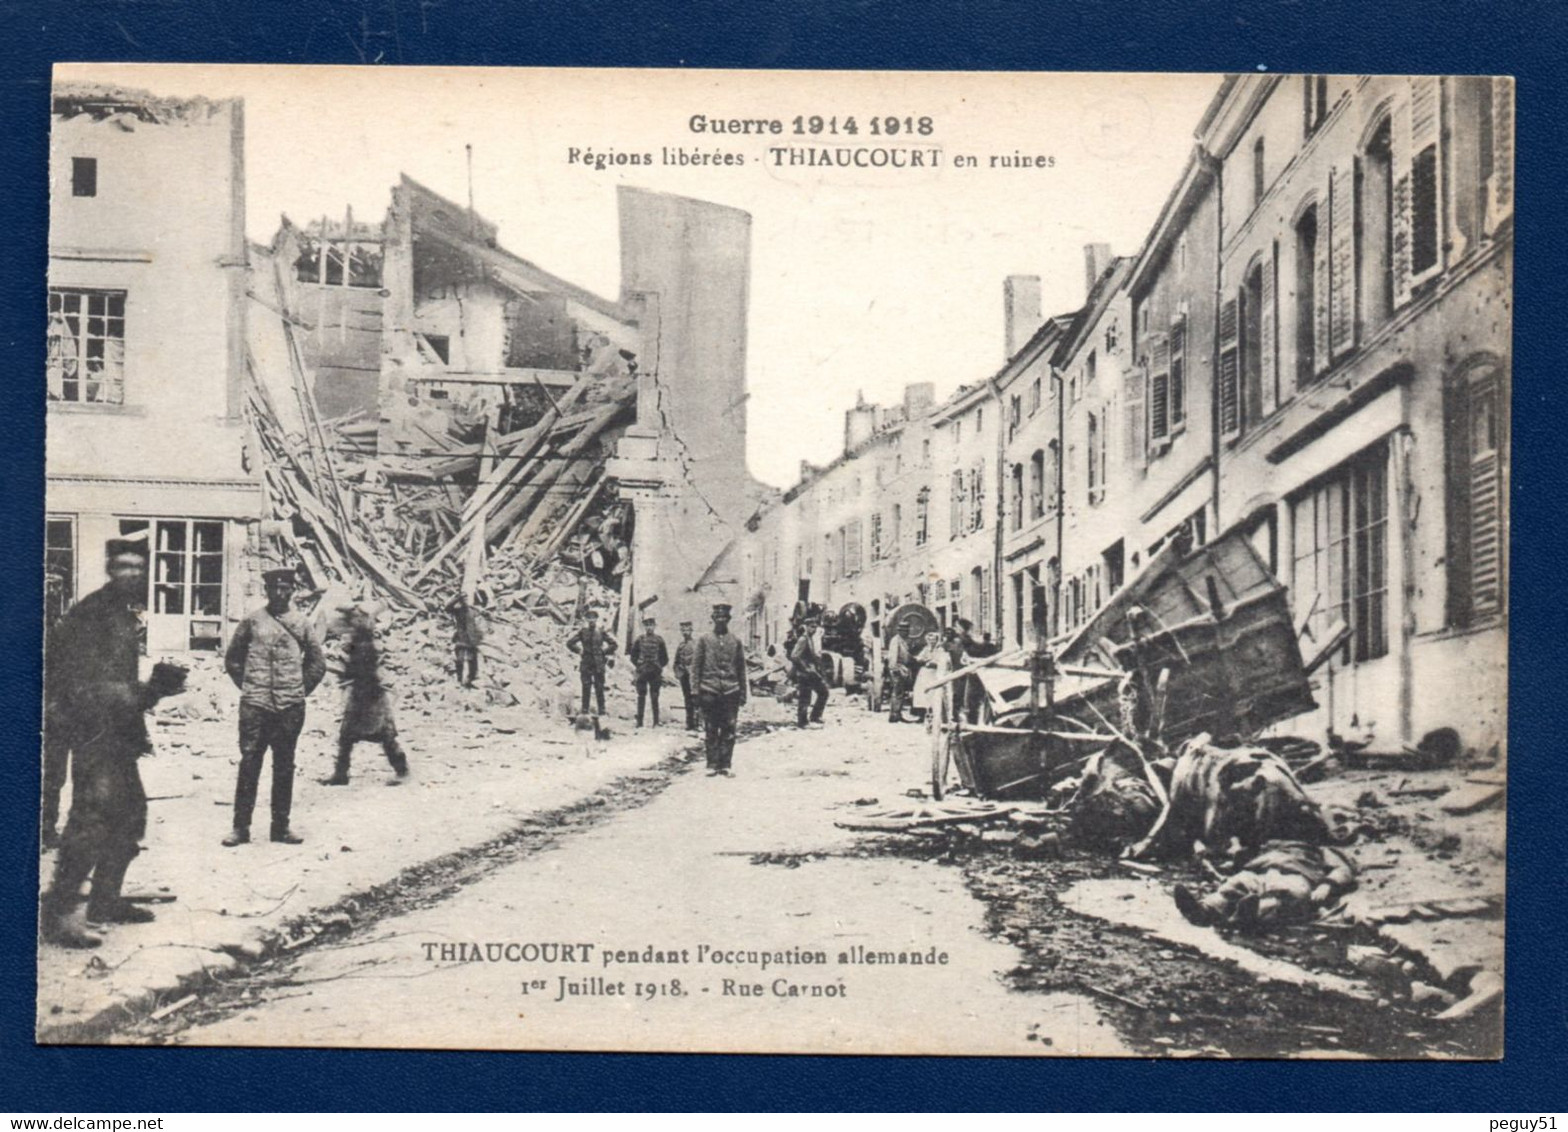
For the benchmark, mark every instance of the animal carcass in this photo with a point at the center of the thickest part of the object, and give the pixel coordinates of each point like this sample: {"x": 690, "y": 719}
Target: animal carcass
{"x": 1230, "y": 800}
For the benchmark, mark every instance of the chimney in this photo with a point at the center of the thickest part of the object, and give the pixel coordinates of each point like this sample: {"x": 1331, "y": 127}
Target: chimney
{"x": 1021, "y": 301}
{"x": 1096, "y": 258}
{"x": 859, "y": 423}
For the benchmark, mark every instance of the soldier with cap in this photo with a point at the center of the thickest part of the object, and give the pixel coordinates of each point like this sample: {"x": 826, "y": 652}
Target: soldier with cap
{"x": 683, "y": 658}
{"x": 719, "y": 676}
{"x": 99, "y": 707}
{"x": 901, "y": 665}
{"x": 593, "y": 647}
{"x": 649, "y": 656}
{"x": 805, "y": 657}
{"x": 276, "y": 661}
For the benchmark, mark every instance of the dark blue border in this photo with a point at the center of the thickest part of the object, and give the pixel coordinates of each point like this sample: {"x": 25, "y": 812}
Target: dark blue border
{"x": 1523, "y": 38}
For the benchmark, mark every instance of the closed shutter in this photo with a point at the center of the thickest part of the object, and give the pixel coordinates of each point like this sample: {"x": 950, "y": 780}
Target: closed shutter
{"x": 1321, "y": 291}
{"x": 1134, "y": 444}
{"x": 1486, "y": 497}
{"x": 852, "y": 548}
{"x": 1399, "y": 150}
{"x": 1426, "y": 190}
{"x": 1229, "y": 374}
{"x": 1500, "y": 197}
{"x": 1178, "y": 383}
{"x": 1160, "y": 390}
{"x": 1267, "y": 333}
{"x": 1342, "y": 257}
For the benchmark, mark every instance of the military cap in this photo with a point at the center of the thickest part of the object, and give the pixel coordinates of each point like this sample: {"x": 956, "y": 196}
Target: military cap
{"x": 721, "y": 609}
{"x": 281, "y": 574}
{"x": 118, "y": 546}
{"x": 685, "y": 624}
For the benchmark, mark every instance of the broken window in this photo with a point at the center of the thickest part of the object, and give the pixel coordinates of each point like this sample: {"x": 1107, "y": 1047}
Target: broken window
{"x": 84, "y": 176}
{"x": 337, "y": 263}
{"x": 1340, "y": 567}
{"x": 86, "y": 346}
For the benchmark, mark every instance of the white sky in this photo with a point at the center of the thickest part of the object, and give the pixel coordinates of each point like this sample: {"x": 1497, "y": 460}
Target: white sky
{"x": 861, "y": 280}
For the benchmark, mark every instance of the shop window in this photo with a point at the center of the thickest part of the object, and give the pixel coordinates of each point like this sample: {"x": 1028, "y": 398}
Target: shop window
{"x": 59, "y": 567}
{"x": 84, "y": 176}
{"x": 1340, "y": 536}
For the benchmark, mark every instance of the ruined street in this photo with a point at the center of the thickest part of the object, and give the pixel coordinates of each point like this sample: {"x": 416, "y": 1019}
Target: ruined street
{"x": 731, "y": 886}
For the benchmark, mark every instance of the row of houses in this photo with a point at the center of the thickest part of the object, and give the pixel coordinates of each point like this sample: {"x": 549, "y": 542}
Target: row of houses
{"x": 1312, "y": 346}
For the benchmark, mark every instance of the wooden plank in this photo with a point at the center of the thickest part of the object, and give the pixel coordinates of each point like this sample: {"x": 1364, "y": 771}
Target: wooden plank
{"x": 1468, "y": 799}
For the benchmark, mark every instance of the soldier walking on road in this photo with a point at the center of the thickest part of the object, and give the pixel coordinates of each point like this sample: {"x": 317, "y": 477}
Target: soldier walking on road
{"x": 719, "y": 676}
{"x": 683, "y": 658}
{"x": 805, "y": 657}
{"x": 368, "y": 713}
{"x": 594, "y": 647}
{"x": 100, "y": 708}
{"x": 276, "y": 662}
{"x": 649, "y": 658}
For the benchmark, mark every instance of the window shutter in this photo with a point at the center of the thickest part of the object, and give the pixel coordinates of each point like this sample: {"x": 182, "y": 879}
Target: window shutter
{"x": 1267, "y": 334}
{"x": 1178, "y": 382}
{"x": 1321, "y": 256}
{"x": 1486, "y": 498}
{"x": 1426, "y": 189}
{"x": 1399, "y": 141}
{"x": 1342, "y": 258}
{"x": 1134, "y": 444}
{"x": 1229, "y": 374}
{"x": 1500, "y": 196}
{"x": 1160, "y": 390}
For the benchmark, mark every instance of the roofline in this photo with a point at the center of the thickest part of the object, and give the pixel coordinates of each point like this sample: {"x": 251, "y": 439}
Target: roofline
{"x": 1196, "y": 178}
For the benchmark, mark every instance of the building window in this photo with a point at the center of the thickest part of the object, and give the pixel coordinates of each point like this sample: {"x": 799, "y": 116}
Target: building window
{"x": 1314, "y": 103}
{"x": 853, "y": 548}
{"x": 1340, "y": 567}
{"x": 1053, "y": 481}
{"x": 1375, "y": 256}
{"x": 1306, "y": 296}
{"x": 977, "y": 602}
{"x": 1258, "y": 184}
{"x": 1477, "y": 415}
{"x": 86, "y": 349}
{"x": 185, "y": 605}
{"x": 897, "y": 532}
{"x": 1115, "y": 565}
{"x": 59, "y": 567}
{"x": 923, "y": 516}
{"x": 1178, "y": 384}
{"x": 955, "y": 607}
{"x": 977, "y": 497}
{"x": 979, "y": 420}
{"x": 1037, "y": 484}
{"x": 1252, "y": 345}
{"x": 925, "y": 450}
{"x": 1160, "y": 391}
{"x": 1095, "y": 459}
{"x": 1018, "y": 607}
{"x": 876, "y": 536}
{"x": 1090, "y": 371}
{"x": 1423, "y": 211}
{"x": 1034, "y": 397}
{"x": 1015, "y": 414}
{"x": 957, "y": 493}
{"x": 1017, "y": 502}
{"x": 84, "y": 176}
{"x": 1111, "y": 332}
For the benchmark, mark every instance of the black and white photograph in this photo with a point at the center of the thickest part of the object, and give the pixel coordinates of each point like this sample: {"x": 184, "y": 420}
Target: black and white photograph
{"x": 776, "y": 561}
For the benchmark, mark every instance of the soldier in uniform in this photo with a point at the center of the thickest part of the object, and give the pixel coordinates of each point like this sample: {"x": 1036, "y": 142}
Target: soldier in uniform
{"x": 367, "y": 714}
{"x": 468, "y": 634}
{"x": 275, "y": 661}
{"x": 810, "y": 689}
{"x": 901, "y": 665}
{"x": 649, "y": 656}
{"x": 683, "y": 657}
{"x": 99, "y": 711}
{"x": 719, "y": 676}
{"x": 593, "y": 647}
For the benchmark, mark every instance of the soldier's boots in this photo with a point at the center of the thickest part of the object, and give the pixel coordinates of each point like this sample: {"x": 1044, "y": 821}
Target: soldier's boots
{"x": 287, "y": 837}
{"x": 63, "y": 929}
{"x": 106, "y": 905}
{"x": 237, "y": 836}
{"x": 58, "y": 920}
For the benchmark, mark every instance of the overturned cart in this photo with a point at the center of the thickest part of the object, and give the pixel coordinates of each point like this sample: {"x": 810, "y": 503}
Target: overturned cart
{"x": 1199, "y": 642}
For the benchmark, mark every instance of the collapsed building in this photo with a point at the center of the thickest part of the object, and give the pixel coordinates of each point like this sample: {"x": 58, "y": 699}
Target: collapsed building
{"x": 438, "y": 414}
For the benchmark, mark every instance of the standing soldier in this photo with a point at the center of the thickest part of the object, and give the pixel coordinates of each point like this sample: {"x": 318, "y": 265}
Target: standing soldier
{"x": 805, "y": 657}
{"x": 100, "y": 706}
{"x": 276, "y": 662}
{"x": 900, "y": 668}
{"x": 649, "y": 658}
{"x": 368, "y": 713}
{"x": 683, "y": 658}
{"x": 468, "y": 634}
{"x": 719, "y": 675}
{"x": 593, "y": 647}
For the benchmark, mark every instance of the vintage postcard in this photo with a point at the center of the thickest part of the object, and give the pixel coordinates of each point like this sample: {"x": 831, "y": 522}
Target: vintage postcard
{"x": 776, "y": 561}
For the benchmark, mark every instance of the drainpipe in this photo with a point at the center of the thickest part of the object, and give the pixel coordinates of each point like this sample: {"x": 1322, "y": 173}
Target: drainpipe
{"x": 1216, "y": 442}
{"x": 1001, "y": 507}
{"x": 1059, "y": 488}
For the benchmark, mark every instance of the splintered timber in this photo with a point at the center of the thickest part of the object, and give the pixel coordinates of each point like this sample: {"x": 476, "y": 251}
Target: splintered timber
{"x": 702, "y": 954}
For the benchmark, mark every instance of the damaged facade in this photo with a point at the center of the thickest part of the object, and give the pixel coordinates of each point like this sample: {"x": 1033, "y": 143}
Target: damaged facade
{"x": 146, "y": 345}
{"x": 1311, "y": 346}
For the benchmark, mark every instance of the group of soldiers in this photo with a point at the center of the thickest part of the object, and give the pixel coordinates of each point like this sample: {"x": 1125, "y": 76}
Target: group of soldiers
{"x": 711, "y": 670}
{"x": 95, "y": 723}
{"x": 913, "y": 664}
